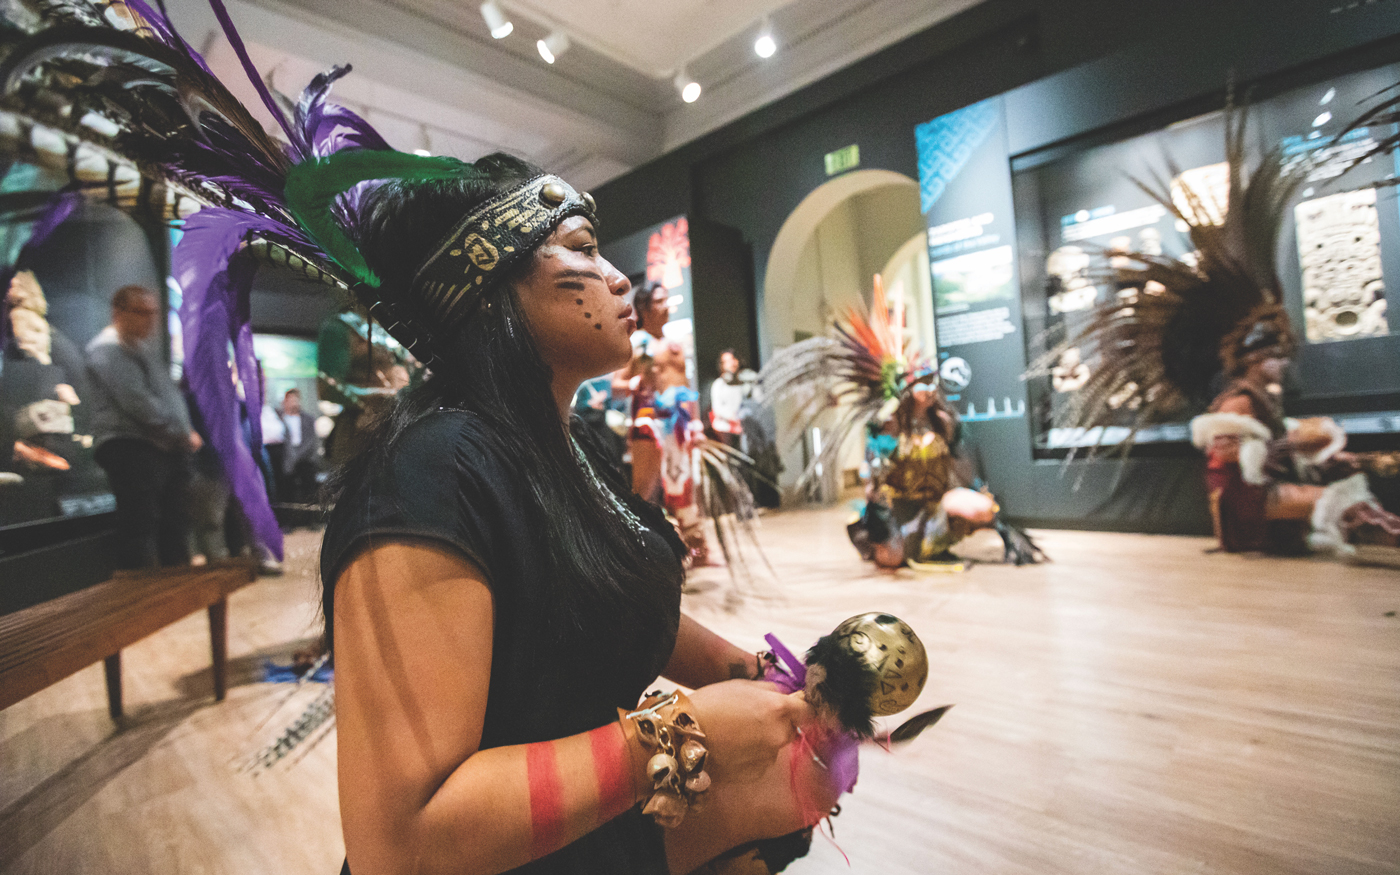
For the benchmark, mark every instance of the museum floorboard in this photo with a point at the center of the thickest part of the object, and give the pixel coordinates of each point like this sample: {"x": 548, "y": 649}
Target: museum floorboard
{"x": 1136, "y": 706}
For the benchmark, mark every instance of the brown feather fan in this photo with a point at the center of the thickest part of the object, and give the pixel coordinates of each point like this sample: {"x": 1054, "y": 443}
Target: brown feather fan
{"x": 1159, "y": 341}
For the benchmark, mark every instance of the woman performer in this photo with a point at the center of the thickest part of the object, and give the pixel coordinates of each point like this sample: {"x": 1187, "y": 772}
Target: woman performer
{"x": 493, "y": 598}
{"x": 665, "y": 416}
{"x": 496, "y": 598}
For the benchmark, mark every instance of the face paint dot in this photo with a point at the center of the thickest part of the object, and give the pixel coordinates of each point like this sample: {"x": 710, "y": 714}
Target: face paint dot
{"x": 578, "y": 301}
{"x": 588, "y": 315}
{"x": 599, "y": 326}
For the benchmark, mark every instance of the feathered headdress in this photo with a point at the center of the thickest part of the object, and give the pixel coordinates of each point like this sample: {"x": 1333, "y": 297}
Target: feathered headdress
{"x": 861, "y": 371}
{"x": 105, "y": 95}
{"x": 1384, "y": 114}
{"x": 1158, "y": 348}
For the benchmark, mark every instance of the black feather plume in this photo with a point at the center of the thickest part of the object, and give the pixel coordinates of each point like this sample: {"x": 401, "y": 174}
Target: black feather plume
{"x": 839, "y": 681}
{"x": 910, "y": 729}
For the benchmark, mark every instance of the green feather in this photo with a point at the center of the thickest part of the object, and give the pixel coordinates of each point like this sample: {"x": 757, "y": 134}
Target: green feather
{"x": 313, "y": 186}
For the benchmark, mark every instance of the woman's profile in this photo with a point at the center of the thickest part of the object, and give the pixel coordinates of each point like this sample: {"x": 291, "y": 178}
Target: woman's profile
{"x": 496, "y": 599}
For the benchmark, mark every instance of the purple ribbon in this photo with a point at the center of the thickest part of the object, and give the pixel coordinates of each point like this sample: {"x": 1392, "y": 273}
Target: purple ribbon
{"x": 796, "y": 668}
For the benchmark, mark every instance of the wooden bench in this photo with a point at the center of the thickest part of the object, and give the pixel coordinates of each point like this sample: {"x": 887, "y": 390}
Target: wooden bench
{"x": 46, "y": 643}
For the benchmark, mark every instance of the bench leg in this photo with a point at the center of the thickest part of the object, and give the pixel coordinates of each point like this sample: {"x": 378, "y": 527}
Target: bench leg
{"x": 218, "y": 641}
{"x": 112, "y": 667}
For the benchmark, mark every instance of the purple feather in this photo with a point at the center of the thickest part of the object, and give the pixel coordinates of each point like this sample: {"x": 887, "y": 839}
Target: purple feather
{"x": 843, "y": 761}
{"x": 214, "y": 315}
{"x": 164, "y": 31}
{"x": 239, "y": 49}
{"x": 56, "y": 214}
{"x": 326, "y": 128}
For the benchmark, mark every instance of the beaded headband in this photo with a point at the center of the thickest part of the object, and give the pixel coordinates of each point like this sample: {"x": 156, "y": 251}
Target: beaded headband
{"x": 488, "y": 243}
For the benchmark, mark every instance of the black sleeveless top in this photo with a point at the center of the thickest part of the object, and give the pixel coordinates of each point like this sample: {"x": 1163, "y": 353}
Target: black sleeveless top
{"x": 451, "y": 480}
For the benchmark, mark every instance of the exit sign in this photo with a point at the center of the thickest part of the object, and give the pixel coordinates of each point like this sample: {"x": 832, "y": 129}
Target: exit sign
{"x": 842, "y": 160}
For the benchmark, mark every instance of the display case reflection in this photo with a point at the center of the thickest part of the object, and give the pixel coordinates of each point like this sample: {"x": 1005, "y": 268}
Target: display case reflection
{"x": 1080, "y": 213}
{"x": 56, "y": 299}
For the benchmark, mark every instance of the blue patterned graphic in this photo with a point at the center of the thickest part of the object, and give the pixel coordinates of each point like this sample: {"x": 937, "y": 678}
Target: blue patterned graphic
{"x": 946, "y": 143}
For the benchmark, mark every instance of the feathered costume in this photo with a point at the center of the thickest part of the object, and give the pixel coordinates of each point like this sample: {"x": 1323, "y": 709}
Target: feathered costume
{"x": 106, "y": 97}
{"x": 919, "y": 501}
{"x": 1180, "y": 337}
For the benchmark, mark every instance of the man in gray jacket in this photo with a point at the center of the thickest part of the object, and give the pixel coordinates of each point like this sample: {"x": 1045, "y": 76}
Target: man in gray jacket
{"x": 301, "y": 459}
{"x": 141, "y": 429}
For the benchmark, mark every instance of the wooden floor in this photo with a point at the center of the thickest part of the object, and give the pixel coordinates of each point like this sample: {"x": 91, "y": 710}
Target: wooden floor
{"x": 1137, "y": 706}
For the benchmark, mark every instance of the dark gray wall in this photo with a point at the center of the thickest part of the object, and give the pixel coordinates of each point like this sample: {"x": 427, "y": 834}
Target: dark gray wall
{"x": 283, "y": 305}
{"x": 1070, "y": 70}
{"x": 723, "y": 292}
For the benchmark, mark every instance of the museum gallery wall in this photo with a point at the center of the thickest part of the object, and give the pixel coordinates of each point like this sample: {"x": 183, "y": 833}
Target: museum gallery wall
{"x": 1076, "y": 208}
{"x": 1068, "y": 78}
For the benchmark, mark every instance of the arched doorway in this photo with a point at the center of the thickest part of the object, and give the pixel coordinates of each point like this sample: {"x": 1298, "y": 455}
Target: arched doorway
{"x": 824, "y": 259}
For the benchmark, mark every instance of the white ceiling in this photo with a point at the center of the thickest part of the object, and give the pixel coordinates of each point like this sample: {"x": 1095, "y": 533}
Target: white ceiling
{"x": 428, "y": 74}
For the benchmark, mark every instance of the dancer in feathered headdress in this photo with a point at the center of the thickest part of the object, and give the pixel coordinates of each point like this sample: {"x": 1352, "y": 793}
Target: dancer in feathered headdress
{"x": 1210, "y": 331}
{"x": 871, "y": 379}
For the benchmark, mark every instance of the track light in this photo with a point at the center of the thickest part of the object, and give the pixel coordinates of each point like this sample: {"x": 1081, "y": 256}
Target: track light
{"x": 552, "y": 46}
{"x": 496, "y": 20}
{"x": 688, "y": 87}
{"x": 765, "y": 45}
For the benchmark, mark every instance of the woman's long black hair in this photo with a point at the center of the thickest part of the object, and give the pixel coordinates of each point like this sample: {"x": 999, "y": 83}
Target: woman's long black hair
{"x": 601, "y": 573}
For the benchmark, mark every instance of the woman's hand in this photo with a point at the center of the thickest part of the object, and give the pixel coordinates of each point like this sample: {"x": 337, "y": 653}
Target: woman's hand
{"x": 746, "y": 724}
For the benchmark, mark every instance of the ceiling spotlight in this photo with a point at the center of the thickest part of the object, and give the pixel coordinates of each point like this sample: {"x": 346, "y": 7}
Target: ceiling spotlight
{"x": 765, "y": 45}
{"x": 552, "y": 46}
{"x": 501, "y": 26}
{"x": 688, "y": 87}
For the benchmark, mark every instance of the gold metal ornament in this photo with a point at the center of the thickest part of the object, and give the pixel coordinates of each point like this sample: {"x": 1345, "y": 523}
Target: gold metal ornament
{"x": 667, "y": 728}
{"x": 553, "y": 194}
{"x": 889, "y": 648}
{"x": 660, "y": 768}
{"x": 692, "y": 756}
{"x": 667, "y": 808}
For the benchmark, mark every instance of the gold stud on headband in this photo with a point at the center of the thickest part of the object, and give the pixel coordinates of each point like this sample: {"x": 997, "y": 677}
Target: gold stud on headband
{"x": 553, "y": 194}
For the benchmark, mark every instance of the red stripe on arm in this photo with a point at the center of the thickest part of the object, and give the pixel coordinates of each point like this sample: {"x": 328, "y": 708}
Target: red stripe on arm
{"x": 546, "y": 799}
{"x": 612, "y": 764}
